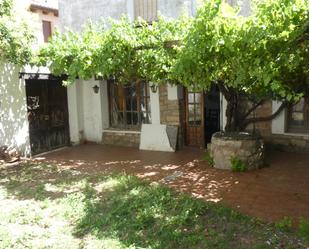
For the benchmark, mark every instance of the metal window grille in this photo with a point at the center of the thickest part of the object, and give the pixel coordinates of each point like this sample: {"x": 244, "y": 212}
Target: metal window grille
{"x": 129, "y": 105}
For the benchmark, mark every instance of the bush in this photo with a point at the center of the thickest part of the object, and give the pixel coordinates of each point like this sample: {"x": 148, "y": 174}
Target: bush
{"x": 304, "y": 229}
{"x": 285, "y": 224}
{"x": 209, "y": 159}
{"x": 238, "y": 165}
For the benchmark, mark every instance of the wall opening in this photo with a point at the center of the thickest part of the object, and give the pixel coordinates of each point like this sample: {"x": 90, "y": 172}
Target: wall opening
{"x": 47, "y": 109}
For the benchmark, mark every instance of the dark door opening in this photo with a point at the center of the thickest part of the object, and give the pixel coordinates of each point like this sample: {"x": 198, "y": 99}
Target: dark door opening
{"x": 47, "y": 115}
{"x": 211, "y": 113}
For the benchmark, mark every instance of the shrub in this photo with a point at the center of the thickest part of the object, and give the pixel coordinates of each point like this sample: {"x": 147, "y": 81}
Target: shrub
{"x": 209, "y": 159}
{"x": 304, "y": 229}
{"x": 238, "y": 165}
{"x": 285, "y": 224}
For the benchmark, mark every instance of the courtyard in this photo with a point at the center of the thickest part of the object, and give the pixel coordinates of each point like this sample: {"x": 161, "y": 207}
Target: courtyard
{"x": 280, "y": 189}
{"x": 95, "y": 196}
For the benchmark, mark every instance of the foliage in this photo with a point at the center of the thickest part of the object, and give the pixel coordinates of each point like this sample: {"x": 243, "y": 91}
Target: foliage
{"x": 15, "y": 36}
{"x": 238, "y": 165}
{"x": 5, "y": 7}
{"x": 74, "y": 208}
{"x": 304, "y": 229}
{"x": 263, "y": 56}
{"x": 253, "y": 54}
{"x": 209, "y": 159}
{"x": 285, "y": 224}
{"x": 124, "y": 50}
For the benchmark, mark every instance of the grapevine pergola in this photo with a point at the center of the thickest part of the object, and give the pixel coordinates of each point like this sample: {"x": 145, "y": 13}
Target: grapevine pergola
{"x": 15, "y": 36}
{"x": 251, "y": 59}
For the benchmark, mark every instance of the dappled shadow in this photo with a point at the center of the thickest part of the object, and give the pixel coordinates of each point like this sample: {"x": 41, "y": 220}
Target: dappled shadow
{"x": 151, "y": 216}
{"x": 13, "y": 109}
{"x": 103, "y": 203}
{"x": 39, "y": 181}
{"x": 143, "y": 216}
{"x": 195, "y": 176}
{"x": 270, "y": 193}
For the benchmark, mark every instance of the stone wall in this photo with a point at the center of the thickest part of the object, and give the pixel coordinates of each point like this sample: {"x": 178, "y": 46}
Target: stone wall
{"x": 286, "y": 141}
{"x": 121, "y": 138}
{"x": 264, "y": 127}
{"x": 172, "y": 113}
{"x": 247, "y": 149}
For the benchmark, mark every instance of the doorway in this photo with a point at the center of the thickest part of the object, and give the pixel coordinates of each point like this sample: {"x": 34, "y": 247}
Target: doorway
{"x": 194, "y": 125}
{"x": 211, "y": 113}
{"x": 202, "y": 116}
{"x": 47, "y": 115}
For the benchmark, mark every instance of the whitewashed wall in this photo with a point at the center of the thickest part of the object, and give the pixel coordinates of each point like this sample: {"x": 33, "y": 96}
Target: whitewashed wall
{"x": 14, "y": 127}
{"x": 14, "y": 131}
{"x": 75, "y": 14}
{"x": 176, "y": 8}
{"x": 88, "y": 112}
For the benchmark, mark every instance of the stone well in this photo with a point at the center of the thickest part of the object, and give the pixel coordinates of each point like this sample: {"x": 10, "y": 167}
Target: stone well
{"x": 243, "y": 146}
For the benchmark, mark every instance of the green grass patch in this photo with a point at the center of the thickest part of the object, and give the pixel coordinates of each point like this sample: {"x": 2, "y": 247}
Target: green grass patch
{"x": 304, "y": 229}
{"x": 66, "y": 209}
{"x": 285, "y": 224}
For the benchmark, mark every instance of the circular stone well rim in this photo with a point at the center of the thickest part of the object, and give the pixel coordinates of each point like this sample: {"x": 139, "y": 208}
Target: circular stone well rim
{"x": 247, "y": 147}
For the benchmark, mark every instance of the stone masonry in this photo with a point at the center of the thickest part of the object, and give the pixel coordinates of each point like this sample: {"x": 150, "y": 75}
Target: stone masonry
{"x": 248, "y": 149}
{"x": 121, "y": 138}
{"x": 285, "y": 142}
{"x": 172, "y": 113}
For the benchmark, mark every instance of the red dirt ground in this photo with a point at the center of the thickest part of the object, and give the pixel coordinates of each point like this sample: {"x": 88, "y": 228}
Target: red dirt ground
{"x": 281, "y": 189}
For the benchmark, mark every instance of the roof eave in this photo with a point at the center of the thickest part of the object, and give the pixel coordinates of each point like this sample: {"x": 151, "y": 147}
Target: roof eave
{"x": 34, "y": 7}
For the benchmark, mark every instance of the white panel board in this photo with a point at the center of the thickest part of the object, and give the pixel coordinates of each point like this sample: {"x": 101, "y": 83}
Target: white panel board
{"x": 154, "y": 137}
{"x": 278, "y": 123}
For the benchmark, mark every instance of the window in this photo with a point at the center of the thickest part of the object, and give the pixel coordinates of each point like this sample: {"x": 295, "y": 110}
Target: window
{"x": 129, "y": 105}
{"x": 298, "y": 116}
{"x": 146, "y": 9}
{"x": 194, "y": 102}
{"x": 47, "y": 30}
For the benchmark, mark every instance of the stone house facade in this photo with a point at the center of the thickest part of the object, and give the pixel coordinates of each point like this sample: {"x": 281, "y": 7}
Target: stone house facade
{"x": 46, "y": 116}
{"x": 92, "y": 116}
{"x": 171, "y": 106}
{"x": 289, "y": 130}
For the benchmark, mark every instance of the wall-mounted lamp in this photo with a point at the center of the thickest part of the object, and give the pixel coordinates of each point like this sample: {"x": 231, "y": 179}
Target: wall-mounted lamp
{"x": 96, "y": 89}
{"x": 154, "y": 88}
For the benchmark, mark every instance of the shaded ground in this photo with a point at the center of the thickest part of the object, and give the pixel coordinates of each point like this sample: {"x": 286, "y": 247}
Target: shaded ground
{"x": 280, "y": 190}
{"x": 44, "y": 205}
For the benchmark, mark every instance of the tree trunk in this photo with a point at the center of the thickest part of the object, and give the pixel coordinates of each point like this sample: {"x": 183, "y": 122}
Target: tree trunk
{"x": 236, "y": 121}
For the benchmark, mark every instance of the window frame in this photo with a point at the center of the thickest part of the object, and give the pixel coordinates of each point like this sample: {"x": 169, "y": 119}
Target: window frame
{"x": 145, "y": 98}
{"x": 196, "y": 103}
{"x": 50, "y": 31}
{"x": 290, "y": 128}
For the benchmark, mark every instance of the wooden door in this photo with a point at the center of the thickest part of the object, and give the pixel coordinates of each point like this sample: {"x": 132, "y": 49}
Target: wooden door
{"x": 47, "y": 115}
{"x": 194, "y": 119}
